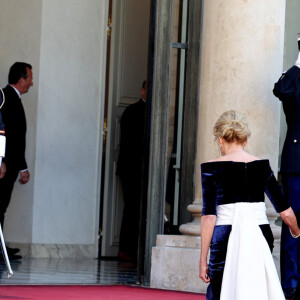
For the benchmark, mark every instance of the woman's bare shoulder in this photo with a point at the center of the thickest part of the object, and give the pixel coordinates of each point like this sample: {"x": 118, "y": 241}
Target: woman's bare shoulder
{"x": 252, "y": 157}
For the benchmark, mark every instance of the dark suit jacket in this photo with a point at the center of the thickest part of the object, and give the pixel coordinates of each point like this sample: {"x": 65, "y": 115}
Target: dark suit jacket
{"x": 1, "y": 123}
{"x": 15, "y": 129}
{"x": 132, "y": 140}
{"x": 287, "y": 89}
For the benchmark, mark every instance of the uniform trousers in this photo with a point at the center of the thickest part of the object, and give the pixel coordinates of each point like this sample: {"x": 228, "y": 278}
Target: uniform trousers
{"x": 289, "y": 248}
{"x": 6, "y": 187}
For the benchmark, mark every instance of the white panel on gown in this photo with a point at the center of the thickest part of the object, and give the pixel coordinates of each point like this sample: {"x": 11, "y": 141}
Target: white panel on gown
{"x": 249, "y": 272}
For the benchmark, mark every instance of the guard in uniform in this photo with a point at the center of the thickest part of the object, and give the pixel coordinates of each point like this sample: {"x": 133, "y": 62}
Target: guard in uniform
{"x": 287, "y": 89}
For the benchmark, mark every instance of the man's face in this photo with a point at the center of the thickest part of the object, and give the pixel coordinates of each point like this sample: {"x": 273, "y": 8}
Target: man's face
{"x": 144, "y": 92}
{"x": 25, "y": 84}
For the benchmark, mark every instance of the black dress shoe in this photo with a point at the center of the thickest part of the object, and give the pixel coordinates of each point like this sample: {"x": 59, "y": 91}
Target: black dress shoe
{"x": 289, "y": 293}
{"x": 11, "y": 251}
{"x": 14, "y": 256}
{"x": 11, "y": 257}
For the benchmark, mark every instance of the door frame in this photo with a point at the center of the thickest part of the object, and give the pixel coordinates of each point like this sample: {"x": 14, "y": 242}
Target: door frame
{"x": 163, "y": 34}
{"x": 101, "y": 108}
{"x": 109, "y": 243}
{"x": 118, "y": 99}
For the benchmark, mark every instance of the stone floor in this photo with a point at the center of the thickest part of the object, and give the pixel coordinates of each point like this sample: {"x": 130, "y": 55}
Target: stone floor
{"x": 69, "y": 271}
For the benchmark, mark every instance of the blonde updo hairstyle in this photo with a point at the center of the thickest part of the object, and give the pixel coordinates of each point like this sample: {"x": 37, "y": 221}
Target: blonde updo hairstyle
{"x": 232, "y": 126}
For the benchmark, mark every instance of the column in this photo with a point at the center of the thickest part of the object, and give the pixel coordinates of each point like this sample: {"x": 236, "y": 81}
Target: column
{"x": 242, "y": 56}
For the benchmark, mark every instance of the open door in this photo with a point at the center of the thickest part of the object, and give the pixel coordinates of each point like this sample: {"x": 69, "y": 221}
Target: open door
{"x": 128, "y": 69}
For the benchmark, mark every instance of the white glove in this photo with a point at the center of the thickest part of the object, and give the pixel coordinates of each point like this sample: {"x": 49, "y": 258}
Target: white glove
{"x": 2, "y": 145}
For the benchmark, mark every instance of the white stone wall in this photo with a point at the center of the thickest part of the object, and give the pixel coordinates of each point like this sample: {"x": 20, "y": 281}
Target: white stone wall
{"x": 65, "y": 40}
{"x": 20, "y": 35}
{"x": 69, "y": 122}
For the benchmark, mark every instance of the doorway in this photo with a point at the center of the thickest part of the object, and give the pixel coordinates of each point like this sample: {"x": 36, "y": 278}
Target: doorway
{"x": 128, "y": 58}
{"x": 174, "y": 55}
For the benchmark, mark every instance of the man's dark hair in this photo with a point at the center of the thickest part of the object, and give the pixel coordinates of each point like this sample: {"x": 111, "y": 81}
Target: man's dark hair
{"x": 17, "y": 71}
{"x": 144, "y": 84}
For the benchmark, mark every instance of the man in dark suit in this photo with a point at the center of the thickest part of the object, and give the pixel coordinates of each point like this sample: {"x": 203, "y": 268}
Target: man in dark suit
{"x": 129, "y": 169}
{"x": 20, "y": 80}
{"x": 287, "y": 89}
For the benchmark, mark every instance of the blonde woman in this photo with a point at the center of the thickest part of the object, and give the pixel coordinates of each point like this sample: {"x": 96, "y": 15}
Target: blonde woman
{"x": 234, "y": 224}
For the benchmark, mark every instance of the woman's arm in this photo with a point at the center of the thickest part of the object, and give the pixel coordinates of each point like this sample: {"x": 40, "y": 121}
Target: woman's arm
{"x": 290, "y": 220}
{"x": 280, "y": 204}
{"x": 207, "y": 228}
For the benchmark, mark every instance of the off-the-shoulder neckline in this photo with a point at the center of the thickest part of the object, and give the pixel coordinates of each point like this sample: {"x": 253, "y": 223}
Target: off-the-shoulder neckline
{"x": 232, "y": 161}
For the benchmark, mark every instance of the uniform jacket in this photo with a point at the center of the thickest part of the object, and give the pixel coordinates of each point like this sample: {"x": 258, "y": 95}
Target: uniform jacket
{"x": 14, "y": 120}
{"x": 287, "y": 89}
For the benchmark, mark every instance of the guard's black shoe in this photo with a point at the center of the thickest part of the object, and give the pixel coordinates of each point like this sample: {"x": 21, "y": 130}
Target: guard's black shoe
{"x": 14, "y": 256}
{"x": 289, "y": 293}
{"x": 11, "y": 257}
{"x": 11, "y": 251}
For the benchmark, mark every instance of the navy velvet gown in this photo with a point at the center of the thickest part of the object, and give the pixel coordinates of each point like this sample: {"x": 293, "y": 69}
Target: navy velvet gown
{"x": 225, "y": 182}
